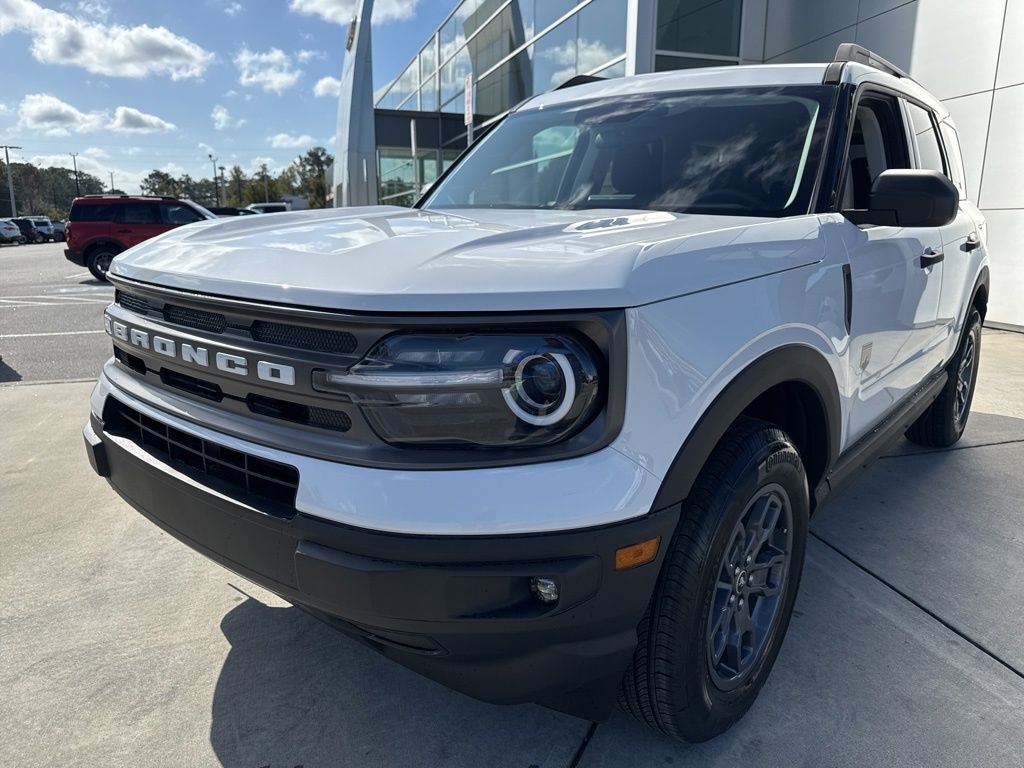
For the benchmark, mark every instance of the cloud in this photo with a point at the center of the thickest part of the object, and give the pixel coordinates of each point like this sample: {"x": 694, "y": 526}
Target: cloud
{"x": 50, "y": 116}
{"x": 233, "y": 9}
{"x": 131, "y": 120}
{"x": 222, "y": 119}
{"x": 97, "y": 9}
{"x": 327, "y": 86}
{"x": 340, "y": 11}
{"x": 205, "y": 147}
{"x": 290, "y": 141}
{"x": 272, "y": 70}
{"x": 305, "y": 56}
{"x": 104, "y": 49}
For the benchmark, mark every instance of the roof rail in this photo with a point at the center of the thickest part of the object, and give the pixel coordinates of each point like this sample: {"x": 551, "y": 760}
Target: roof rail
{"x": 860, "y": 55}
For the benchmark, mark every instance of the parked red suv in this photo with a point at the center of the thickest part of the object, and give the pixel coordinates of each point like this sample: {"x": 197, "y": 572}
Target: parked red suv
{"x": 101, "y": 226}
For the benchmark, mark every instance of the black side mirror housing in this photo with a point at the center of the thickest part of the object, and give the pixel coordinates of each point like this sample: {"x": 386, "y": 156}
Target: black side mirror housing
{"x": 908, "y": 197}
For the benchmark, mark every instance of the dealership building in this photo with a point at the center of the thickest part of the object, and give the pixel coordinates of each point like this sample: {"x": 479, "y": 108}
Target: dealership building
{"x": 495, "y": 53}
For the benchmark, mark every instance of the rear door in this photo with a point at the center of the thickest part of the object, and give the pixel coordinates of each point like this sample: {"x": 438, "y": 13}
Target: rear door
{"x": 896, "y": 278}
{"x": 135, "y": 222}
{"x": 938, "y": 149}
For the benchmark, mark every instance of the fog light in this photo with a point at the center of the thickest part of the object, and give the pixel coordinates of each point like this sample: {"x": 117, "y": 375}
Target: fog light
{"x": 544, "y": 589}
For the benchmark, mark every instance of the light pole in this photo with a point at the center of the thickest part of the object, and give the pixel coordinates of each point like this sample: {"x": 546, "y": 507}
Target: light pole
{"x": 10, "y": 182}
{"x": 78, "y": 186}
{"x": 216, "y": 189}
{"x": 223, "y": 185}
{"x": 111, "y": 182}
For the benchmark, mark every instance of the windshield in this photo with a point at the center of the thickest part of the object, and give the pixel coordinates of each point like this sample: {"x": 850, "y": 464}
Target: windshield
{"x": 206, "y": 213}
{"x": 749, "y": 151}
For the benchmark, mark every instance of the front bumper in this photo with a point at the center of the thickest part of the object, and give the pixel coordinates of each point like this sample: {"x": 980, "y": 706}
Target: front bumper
{"x": 457, "y": 609}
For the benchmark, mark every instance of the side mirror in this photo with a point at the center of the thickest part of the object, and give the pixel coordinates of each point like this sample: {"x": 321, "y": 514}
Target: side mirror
{"x": 909, "y": 198}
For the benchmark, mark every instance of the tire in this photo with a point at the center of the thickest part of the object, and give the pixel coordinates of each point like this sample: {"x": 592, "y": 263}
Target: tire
{"x": 945, "y": 420}
{"x": 675, "y": 684}
{"x": 99, "y": 261}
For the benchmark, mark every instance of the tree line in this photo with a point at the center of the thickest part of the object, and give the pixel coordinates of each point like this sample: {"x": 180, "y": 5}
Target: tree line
{"x": 44, "y": 191}
{"x": 49, "y": 191}
{"x": 305, "y": 176}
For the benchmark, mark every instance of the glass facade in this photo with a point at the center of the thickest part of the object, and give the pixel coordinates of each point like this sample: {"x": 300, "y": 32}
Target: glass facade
{"x": 514, "y": 49}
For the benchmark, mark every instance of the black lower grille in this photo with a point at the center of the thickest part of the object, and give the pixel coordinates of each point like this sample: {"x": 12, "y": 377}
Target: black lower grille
{"x": 264, "y": 484}
{"x": 311, "y": 415}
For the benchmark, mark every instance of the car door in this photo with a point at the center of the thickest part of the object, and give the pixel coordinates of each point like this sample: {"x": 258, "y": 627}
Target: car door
{"x": 896, "y": 274}
{"x": 938, "y": 149}
{"x": 135, "y": 222}
{"x": 176, "y": 214}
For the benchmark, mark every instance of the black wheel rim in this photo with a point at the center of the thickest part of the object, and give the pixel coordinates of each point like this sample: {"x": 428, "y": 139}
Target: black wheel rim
{"x": 750, "y": 587}
{"x": 103, "y": 262}
{"x": 965, "y": 378}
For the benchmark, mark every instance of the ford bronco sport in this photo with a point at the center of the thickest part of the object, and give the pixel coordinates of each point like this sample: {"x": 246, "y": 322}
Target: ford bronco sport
{"x": 554, "y": 435}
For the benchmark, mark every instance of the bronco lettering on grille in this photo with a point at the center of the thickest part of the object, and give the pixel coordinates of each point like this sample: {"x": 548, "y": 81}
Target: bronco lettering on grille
{"x": 276, "y": 373}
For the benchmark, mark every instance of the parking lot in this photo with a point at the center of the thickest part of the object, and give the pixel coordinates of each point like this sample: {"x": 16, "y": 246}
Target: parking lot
{"x": 120, "y": 646}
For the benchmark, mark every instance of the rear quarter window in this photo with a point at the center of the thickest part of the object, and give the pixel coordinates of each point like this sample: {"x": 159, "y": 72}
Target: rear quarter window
{"x": 954, "y": 158}
{"x": 91, "y": 212}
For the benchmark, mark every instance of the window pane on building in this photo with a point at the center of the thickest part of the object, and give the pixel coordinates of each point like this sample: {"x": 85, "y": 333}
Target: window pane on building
{"x": 602, "y": 34}
{"x": 549, "y": 11}
{"x": 666, "y": 63}
{"x": 428, "y": 95}
{"x": 453, "y": 76}
{"x": 699, "y": 26}
{"x": 504, "y": 88}
{"x": 428, "y": 61}
{"x": 554, "y": 56}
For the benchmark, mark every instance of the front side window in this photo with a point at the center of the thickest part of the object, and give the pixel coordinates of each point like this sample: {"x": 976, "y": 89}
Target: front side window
{"x": 177, "y": 213}
{"x": 928, "y": 150}
{"x": 878, "y": 142}
{"x": 750, "y": 151}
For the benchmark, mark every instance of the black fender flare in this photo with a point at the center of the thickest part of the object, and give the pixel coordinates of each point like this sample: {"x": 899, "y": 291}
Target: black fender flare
{"x": 790, "y": 363}
{"x": 983, "y": 281}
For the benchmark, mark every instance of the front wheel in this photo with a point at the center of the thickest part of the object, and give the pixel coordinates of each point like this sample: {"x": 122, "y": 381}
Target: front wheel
{"x": 99, "y": 262}
{"x": 725, "y": 595}
{"x": 946, "y": 418}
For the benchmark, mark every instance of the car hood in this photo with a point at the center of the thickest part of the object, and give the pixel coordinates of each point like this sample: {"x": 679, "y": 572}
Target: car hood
{"x": 389, "y": 259}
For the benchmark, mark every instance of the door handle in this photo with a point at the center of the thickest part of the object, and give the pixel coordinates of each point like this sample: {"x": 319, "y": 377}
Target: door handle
{"x": 972, "y": 242}
{"x": 930, "y": 257}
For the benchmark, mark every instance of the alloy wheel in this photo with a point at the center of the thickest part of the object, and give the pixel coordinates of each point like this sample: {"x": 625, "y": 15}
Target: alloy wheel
{"x": 750, "y": 587}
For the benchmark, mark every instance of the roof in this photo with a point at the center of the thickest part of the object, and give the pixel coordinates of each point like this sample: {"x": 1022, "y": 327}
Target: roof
{"x": 731, "y": 77}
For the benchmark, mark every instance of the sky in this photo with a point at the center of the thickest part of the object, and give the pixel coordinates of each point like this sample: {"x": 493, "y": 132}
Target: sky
{"x": 132, "y": 86}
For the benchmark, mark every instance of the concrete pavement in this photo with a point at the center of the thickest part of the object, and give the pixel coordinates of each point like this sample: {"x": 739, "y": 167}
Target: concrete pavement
{"x": 120, "y": 646}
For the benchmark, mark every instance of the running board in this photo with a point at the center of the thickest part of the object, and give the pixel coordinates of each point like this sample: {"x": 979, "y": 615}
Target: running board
{"x": 859, "y": 456}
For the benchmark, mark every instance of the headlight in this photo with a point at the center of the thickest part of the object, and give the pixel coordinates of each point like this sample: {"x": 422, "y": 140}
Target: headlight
{"x": 488, "y": 390}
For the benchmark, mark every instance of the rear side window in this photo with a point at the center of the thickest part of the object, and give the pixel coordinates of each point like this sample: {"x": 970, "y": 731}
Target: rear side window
{"x": 91, "y": 212}
{"x": 928, "y": 148}
{"x": 137, "y": 213}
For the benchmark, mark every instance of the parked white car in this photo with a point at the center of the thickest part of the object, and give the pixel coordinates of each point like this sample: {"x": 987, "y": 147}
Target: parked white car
{"x": 10, "y": 233}
{"x": 44, "y": 226}
{"x": 556, "y": 433}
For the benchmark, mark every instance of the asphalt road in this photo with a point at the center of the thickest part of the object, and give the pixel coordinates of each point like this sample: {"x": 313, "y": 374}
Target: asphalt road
{"x": 51, "y": 316}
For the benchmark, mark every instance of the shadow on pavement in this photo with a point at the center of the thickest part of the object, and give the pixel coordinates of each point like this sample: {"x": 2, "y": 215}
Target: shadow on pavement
{"x": 8, "y": 374}
{"x": 293, "y": 691}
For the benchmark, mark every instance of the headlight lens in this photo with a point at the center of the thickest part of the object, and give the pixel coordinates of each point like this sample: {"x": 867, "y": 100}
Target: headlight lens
{"x": 486, "y": 390}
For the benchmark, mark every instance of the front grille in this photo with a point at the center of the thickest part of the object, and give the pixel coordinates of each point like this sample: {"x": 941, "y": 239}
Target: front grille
{"x": 302, "y": 337}
{"x": 310, "y": 415}
{"x": 264, "y": 484}
{"x": 213, "y": 322}
{"x": 279, "y": 334}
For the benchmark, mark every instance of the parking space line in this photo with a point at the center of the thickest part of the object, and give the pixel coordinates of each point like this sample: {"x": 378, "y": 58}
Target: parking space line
{"x": 54, "y": 333}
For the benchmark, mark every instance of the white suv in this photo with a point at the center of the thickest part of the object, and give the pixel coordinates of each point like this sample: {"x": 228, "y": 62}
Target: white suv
{"x": 555, "y": 434}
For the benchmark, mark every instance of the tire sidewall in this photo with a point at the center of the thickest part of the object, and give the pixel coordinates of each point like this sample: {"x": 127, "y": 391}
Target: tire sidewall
{"x": 94, "y": 257}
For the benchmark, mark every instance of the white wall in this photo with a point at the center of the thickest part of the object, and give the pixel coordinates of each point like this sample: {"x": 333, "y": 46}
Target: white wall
{"x": 969, "y": 53}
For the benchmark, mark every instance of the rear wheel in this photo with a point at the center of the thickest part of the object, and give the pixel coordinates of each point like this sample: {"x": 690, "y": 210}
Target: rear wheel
{"x": 725, "y": 595}
{"x": 946, "y": 418}
{"x": 99, "y": 261}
